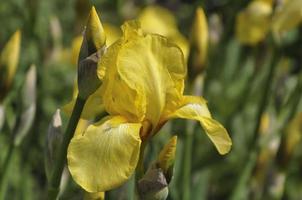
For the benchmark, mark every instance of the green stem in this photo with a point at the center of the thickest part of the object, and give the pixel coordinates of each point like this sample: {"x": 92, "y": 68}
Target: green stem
{"x": 139, "y": 171}
{"x": 240, "y": 189}
{"x": 187, "y": 162}
{"x": 5, "y": 167}
{"x": 55, "y": 180}
{"x": 264, "y": 96}
{"x": 255, "y": 146}
{"x": 190, "y": 125}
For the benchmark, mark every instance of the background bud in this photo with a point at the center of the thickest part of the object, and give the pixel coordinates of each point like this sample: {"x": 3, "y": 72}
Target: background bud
{"x": 28, "y": 97}
{"x": 8, "y": 63}
{"x": 198, "y": 43}
{"x": 53, "y": 141}
{"x": 2, "y": 112}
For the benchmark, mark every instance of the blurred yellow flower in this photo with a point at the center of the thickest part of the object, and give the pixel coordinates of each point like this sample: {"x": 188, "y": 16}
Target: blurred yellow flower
{"x": 288, "y": 17}
{"x": 9, "y": 58}
{"x": 113, "y": 33}
{"x": 293, "y": 136}
{"x": 75, "y": 50}
{"x": 198, "y": 42}
{"x": 253, "y": 23}
{"x": 143, "y": 81}
{"x": 156, "y": 19}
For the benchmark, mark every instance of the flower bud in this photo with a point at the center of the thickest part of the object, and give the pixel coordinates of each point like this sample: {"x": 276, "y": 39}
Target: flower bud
{"x": 153, "y": 185}
{"x": 28, "y": 99}
{"x": 88, "y": 81}
{"x": 166, "y": 158}
{"x": 92, "y": 46}
{"x": 8, "y": 63}
{"x": 198, "y": 42}
{"x": 94, "y": 38}
{"x": 2, "y": 112}
{"x": 53, "y": 141}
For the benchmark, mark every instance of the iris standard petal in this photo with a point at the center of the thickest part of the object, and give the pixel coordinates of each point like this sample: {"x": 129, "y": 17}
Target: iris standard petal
{"x": 196, "y": 108}
{"x": 153, "y": 67}
{"x": 118, "y": 97}
{"x": 106, "y": 155}
{"x": 141, "y": 74}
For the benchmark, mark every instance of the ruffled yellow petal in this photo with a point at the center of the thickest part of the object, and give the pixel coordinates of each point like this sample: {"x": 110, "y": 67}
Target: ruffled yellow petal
{"x": 106, "y": 155}
{"x": 148, "y": 71}
{"x": 156, "y": 19}
{"x": 196, "y": 108}
{"x": 253, "y": 23}
{"x": 150, "y": 65}
{"x": 118, "y": 97}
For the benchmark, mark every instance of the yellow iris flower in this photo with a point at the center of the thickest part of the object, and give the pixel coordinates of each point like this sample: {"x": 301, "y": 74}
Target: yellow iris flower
{"x": 113, "y": 33}
{"x": 288, "y": 17}
{"x": 142, "y": 88}
{"x": 253, "y": 23}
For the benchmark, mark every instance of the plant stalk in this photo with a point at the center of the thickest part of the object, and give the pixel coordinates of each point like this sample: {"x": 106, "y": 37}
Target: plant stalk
{"x": 188, "y": 161}
{"x": 255, "y": 147}
{"x": 139, "y": 171}
{"x": 4, "y": 169}
{"x": 53, "y": 189}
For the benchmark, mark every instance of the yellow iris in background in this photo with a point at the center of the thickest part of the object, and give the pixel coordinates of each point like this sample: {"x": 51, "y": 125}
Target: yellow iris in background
{"x": 253, "y": 23}
{"x": 143, "y": 81}
{"x": 199, "y": 37}
{"x": 288, "y": 17}
{"x": 8, "y": 63}
{"x": 159, "y": 20}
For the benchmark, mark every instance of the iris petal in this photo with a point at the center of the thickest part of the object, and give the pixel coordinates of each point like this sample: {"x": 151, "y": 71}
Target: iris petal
{"x": 106, "y": 155}
{"x": 196, "y": 108}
